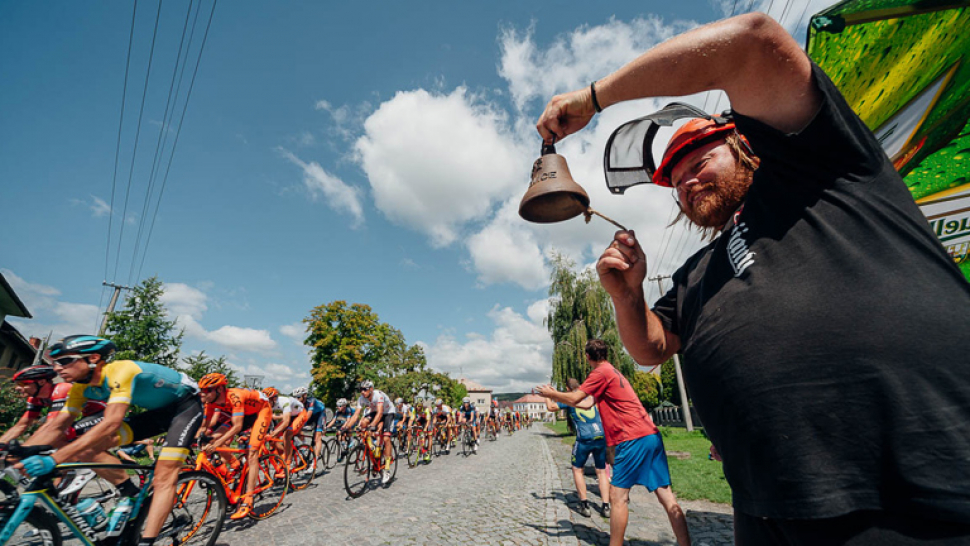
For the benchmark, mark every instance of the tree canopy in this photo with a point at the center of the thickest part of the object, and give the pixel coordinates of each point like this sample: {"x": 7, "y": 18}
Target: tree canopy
{"x": 142, "y": 330}
{"x": 196, "y": 366}
{"x": 581, "y": 310}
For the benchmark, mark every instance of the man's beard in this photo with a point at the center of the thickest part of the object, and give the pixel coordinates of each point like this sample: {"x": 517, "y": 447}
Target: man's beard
{"x": 725, "y": 195}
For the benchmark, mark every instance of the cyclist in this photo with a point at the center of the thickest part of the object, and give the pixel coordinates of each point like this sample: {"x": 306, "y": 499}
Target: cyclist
{"x": 468, "y": 414}
{"x": 494, "y": 417}
{"x": 342, "y": 414}
{"x": 36, "y": 385}
{"x": 316, "y": 416}
{"x": 421, "y": 417}
{"x": 248, "y": 410}
{"x": 381, "y": 417}
{"x": 293, "y": 417}
{"x": 444, "y": 418}
{"x": 171, "y": 401}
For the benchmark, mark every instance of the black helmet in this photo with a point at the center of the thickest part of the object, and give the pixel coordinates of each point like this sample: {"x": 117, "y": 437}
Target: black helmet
{"x": 84, "y": 345}
{"x": 35, "y": 373}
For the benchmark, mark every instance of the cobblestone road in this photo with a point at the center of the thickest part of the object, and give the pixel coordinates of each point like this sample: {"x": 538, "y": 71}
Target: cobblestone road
{"x": 510, "y": 494}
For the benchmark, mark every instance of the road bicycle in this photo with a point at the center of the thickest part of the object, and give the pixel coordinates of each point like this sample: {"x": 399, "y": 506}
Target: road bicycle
{"x": 270, "y": 489}
{"x": 418, "y": 446}
{"x": 303, "y": 466}
{"x": 491, "y": 431}
{"x": 365, "y": 463}
{"x": 467, "y": 439}
{"x": 35, "y": 516}
{"x": 323, "y": 458}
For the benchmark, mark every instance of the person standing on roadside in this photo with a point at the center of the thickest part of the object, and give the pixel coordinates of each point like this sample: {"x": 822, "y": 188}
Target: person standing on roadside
{"x": 823, "y": 329}
{"x": 590, "y": 441}
{"x": 639, "y": 457}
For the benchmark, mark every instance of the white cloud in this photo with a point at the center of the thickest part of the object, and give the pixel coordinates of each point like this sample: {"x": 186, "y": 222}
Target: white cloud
{"x": 242, "y": 339}
{"x": 182, "y": 299}
{"x": 339, "y": 195}
{"x": 435, "y": 162}
{"x": 50, "y": 314}
{"x": 295, "y": 331}
{"x": 515, "y": 356}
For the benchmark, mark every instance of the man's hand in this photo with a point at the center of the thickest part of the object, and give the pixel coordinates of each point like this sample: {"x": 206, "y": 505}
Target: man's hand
{"x": 623, "y": 266}
{"x": 38, "y": 465}
{"x": 545, "y": 390}
{"x": 565, "y": 114}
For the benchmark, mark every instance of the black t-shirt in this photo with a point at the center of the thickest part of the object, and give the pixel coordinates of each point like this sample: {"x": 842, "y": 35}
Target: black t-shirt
{"x": 823, "y": 333}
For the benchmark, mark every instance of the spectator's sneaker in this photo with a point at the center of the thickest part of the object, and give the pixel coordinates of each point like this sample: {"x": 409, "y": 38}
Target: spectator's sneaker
{"x": 606, "y": 510}
{"x": 584, "y": 509}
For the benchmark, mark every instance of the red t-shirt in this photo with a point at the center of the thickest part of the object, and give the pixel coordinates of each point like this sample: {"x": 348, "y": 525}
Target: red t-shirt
{"x": 623, "y": 415}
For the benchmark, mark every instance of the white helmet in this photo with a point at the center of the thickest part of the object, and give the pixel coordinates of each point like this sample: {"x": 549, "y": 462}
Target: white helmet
{"x": 398, "y": 401}
{"x": 300, "y": 391}
{"x": 438, "y": 402}
{"x": 342, "y": 402}
{"x": 367, "y": 384}
{"x": 466, "y": 400}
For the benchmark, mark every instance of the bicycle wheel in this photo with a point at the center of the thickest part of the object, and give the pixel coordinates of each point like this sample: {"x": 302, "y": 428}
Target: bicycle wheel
{"x": 199, "y": 510}
{"x": 392, "y": 469}
{"x": 490, "y": 434}
{"x": 303, "y": 468}
{"x": 323, "y": 460}
{"x": 412, "y": 450}
{"x": 466, "y": 449}
{"x": 272, "y": 481}
{"x": 39, "y": 529}
{"x": 337, "y": 453}
{"x": 357, "y": 470}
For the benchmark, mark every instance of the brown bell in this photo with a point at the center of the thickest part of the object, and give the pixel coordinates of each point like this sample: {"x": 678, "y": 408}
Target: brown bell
{"x": 553, "y": 195}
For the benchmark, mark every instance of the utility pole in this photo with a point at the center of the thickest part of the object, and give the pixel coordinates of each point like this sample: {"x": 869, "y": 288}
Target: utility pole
{"x": 111, "y": 305}
{"x": 684, "y": 405}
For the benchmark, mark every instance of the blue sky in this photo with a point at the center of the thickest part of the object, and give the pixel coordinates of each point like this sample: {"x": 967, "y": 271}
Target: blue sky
{"x": 374, "y": 154}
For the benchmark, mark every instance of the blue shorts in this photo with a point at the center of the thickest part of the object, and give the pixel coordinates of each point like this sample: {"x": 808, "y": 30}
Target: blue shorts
{"x": 641, "y": 462}
{"x": 134, "y": 450}
{"x": 318, "y": 421}
{"x": 582, "y": 449}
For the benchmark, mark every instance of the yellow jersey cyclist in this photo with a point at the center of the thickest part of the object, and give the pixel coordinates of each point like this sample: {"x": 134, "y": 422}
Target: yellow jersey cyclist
{"x": 172, "y": 405}
{"x": 292, "y": 417}
{"x": 444, "y": 418}
{"x": 381, "y": 417}
{"x": 467, "y": 413}
{"x": 421, "y": 417}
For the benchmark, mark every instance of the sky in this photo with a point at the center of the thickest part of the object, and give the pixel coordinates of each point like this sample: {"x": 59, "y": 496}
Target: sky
{"x": 319, "y": 151}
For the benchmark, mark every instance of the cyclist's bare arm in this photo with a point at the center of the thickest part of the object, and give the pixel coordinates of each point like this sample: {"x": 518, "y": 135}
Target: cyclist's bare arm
{"x": 236, "y": 423}
{"x": 284, "y": 424}
{"x": 99, "y": 438}
{"x": 19, "y": 428}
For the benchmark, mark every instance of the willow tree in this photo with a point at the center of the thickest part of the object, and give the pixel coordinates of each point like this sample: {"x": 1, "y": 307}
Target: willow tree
{"x": 580, "y": 310}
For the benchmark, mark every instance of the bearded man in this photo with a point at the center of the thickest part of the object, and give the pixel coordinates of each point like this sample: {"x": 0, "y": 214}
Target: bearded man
{"x": 822, "y": 329}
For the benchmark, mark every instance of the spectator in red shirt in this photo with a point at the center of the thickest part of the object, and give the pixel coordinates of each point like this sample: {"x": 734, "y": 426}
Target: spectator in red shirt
{"x": 639, "y": 451}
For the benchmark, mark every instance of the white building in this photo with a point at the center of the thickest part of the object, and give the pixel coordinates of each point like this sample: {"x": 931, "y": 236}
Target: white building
{"x": 534, "y": 406}
{"x": 481, "y": 397}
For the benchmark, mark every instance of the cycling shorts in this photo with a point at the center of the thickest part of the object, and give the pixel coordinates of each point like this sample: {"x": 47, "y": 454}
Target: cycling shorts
{"x": 258, "y": 424}
{"x": 83, "y": 425}
{"x": 180, "y": 420}
{"x": 296, "y": 426}
{"x": 318, "y": 421}
{"x": 388, "y": 420}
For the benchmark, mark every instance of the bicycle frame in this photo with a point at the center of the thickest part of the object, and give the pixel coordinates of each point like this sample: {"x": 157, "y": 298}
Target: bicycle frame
{"x": 37, "y": 492}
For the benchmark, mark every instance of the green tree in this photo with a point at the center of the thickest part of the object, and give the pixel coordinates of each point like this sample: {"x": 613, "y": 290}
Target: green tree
{"x": 581, "y": 310}
{"x": 647, "y": 387}
{"x": 196, "y": 366}
{"x": 340, "y": 337}
{"x": 12, "y": 405}
{"x": 668, "y": 378}
{"x": 142, "y": 330}
{"x": 391, "y": 356}
{"x": 423, "y": 383}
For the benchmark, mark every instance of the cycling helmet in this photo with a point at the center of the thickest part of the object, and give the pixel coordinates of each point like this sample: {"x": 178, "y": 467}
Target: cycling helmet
{"x": 342, "y": 402}
{"x": 271, "y": 392}
{"x": 83, "y": 345}
{"x": 466, "y": 400}
{"x": 212, "y": 380}
{"x": 438, "y": 402}
{"x": 300, "y": 391}
{"x": 34, "y": 373}
{"x": 367, "y": 384}
{"x": 398, "y": 401}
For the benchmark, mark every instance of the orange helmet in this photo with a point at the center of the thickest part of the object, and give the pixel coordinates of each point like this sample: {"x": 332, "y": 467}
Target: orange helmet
{"x": 271, "y": 392}
{"x": 690, "y": 136}
{"x": 212, "y": 380}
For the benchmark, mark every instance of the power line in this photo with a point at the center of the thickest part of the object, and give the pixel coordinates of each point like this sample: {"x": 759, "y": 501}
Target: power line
{"x": 114, "y": 177}
{"x": 134, "y": 152}
{"x": 159, "y": 144}
{"x": 178, "y": 132}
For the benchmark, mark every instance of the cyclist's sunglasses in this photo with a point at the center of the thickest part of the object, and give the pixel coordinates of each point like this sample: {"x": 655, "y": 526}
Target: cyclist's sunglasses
{"x": 67, "y": 361}
{"x": 364, "y": 389}
{"x": 210, "y": 389}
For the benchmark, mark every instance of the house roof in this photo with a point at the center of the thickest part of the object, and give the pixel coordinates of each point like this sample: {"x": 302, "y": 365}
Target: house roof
{"x": 531, "y": 399}
{"x": 471, "y": 386}
{"x": 10, "y": 304}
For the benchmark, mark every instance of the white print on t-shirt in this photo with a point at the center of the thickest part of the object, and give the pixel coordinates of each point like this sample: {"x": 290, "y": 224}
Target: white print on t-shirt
{"x": 737, "y": 249}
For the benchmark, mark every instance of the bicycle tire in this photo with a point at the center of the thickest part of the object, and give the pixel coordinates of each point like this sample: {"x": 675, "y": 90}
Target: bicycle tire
{"x": 357, "y": 470}
{"x": 323, "y": 460}
{"x": 40, "y": 528}
{"x": 336, "y": 453}
{"x": 393, "y": 469}
{"x": 199, "y": 510}
{"x": 465, "y": 448}
{"x": 303, "y": 467}
{"x": 412, "y": 452}
{"x": 270, "y": 490}
{"x": 490, "y": 434}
